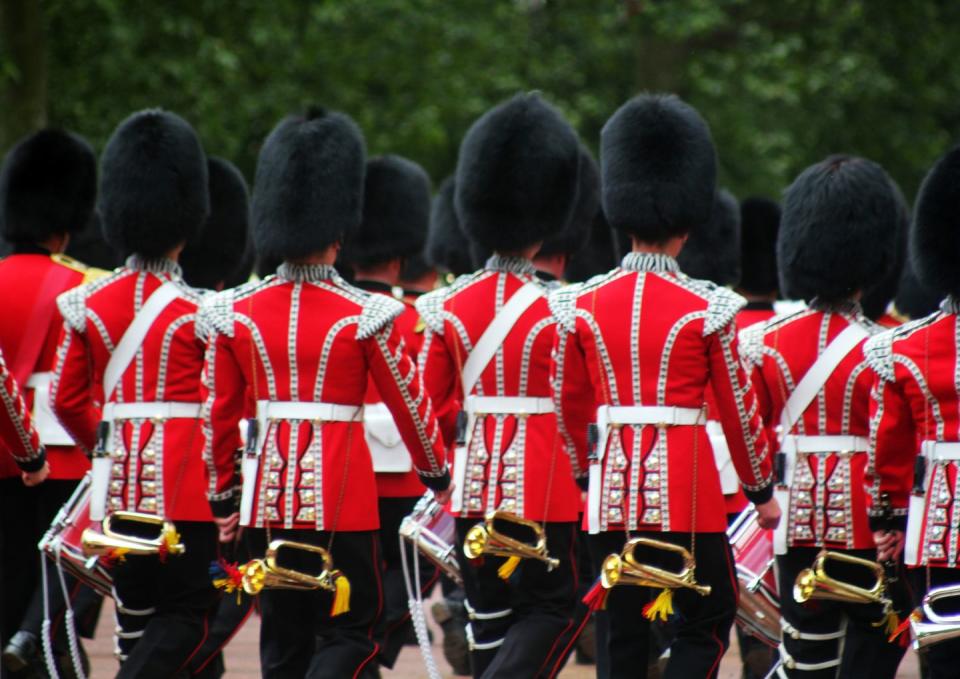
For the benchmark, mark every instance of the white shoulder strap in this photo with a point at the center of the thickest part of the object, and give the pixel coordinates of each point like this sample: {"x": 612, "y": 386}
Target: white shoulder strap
{"x": 818, "y": 374}
{"x": 133, "y": 337}
{"x": 496, "y": 333}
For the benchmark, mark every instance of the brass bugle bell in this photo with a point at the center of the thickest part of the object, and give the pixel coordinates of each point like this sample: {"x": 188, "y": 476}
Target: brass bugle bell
{"x": 935, "y": 627}
{"x": 625, "y": 569}
{"x": 484, "y": 538}
{"x": 266, "y": 573}
{"x": 94, "y": 543}
{"x": 814, "y": 583}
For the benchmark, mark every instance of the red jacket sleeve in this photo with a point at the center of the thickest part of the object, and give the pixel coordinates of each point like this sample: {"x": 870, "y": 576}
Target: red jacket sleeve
{"x": 71, "y": 392}
{"x": 441, "y": 378}
{"x": 16, "y": 429}
{"x": 739, "y": 416}
{"x": 573, "y": 396}
{"x": 402, "y": 390}
{"x": 224, "y": 390}
{"x": 893, "y": 448}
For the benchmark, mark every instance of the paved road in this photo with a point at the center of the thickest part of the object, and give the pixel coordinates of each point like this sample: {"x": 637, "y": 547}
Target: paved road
{"x": 242, "y": 659}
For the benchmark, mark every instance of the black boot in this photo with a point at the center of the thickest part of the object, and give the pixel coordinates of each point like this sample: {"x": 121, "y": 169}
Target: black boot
{"x": 22, "y": 651}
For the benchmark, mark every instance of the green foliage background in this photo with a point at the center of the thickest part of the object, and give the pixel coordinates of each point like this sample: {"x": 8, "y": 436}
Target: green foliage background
{"x": 782, "y": 82}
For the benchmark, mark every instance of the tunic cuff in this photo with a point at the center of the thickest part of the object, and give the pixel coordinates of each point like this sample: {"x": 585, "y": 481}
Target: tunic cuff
{"x": 758, "y": 497}
{"x": 32, "y": 464}
{"x": 441, "y": 482}
{"x": 226, "y": 503}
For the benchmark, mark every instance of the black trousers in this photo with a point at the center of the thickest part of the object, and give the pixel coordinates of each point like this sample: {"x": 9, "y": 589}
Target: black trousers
{"x": 703, "y": 628}
{"x": 859, "y": 649}
{"x": 230, "y": 615}
{"x": 395, "y": 625}
{"x": 517, "y": 625}
{"x": 943, "y": 659}
{"x": 298, "y": 637}
{"x": 163, "y": 606}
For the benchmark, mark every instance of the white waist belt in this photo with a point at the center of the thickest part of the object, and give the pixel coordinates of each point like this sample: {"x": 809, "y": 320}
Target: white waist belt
{"x": 508, "y": 405}
{"x": 825, "y": 444}
{"x": 309, "y": 410}
{"x": 151, "y": 410}
{"x": 664, "y": 415}
{"x": 940, "y": 450}
{"x": 45, "y": 421}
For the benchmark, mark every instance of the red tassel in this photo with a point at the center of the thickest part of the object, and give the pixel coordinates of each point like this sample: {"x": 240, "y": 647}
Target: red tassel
{"x": 898, "y": 633}
{"x": 163, "y": 551}
{"x": 596, "y": 597}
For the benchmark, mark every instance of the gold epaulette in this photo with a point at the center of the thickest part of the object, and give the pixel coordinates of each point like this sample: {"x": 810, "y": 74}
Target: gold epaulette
{"x": 90, "y": 273}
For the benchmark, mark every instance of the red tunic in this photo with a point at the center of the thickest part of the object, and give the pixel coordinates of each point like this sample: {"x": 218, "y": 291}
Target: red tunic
{"x": 19, "y": 438}
{"x": 828, "y": 495}
{"x": 29, "y": 285}
{"x": 157, "y": 463}
{"x": 916, "y": 399}
{"x": 647, "y": 335}
{"x": 305, "y": 336}
{"x": 515, "y": 463}
{"x": 410, "y": 327}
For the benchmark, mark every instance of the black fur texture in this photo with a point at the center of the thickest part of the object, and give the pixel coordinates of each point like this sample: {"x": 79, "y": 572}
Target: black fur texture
{"x": 838, "y": 231}
{"x": 213, "y": 256}
{"x": 577, "y": 232}
{"x": 759, "y": 223}
{"x": 396, "y": 213}
{"x": 447, "y": 245}
{"x": 658, "y": 167}
{"x": 48, "y": 187}
{"x": 516, "y": 180}
{"x": 599, "y": 256}
{"x": 153, "y": 184}
{"x": 308, "y": 191}
{"x": 914, "y": 299}
{"x": 877, "y": 299}
{"x": 712, "y": 252}
{"x": 90, "y": 247}
{"x": 935, "y": 237}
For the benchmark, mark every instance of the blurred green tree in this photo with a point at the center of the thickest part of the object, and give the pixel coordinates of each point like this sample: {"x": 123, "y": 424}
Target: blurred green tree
{"x": 783, "y": 83}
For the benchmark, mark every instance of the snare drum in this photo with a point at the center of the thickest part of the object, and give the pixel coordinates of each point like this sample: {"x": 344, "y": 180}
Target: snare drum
{"x": 432, "y": 531}
{"x": 61, "y": 543}
{"x": 759, "y": 609}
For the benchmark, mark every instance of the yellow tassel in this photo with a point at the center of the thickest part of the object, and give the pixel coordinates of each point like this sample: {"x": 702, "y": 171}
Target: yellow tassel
{"x": 172, "y": 539}
{"x": 341, "y": 595}
{"x": 661, "y": 607}
{"x": 508, "y": 567}
{"x": 890, "y": 622}
{"x": 229, "y": 586}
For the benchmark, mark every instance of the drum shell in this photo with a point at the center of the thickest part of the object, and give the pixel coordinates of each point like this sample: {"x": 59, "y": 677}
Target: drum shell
{"x": 433, "y": 532}
{"x": 758, "y": 610}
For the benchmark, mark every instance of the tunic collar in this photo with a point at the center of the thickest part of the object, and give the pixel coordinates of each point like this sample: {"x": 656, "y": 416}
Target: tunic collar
{"x": 157, "y": 265}
{"x": 517, "y": 265}
{"x": 650, "y": 261}
{"x": 951, "y": 305}
{"x": 306, "y": 273}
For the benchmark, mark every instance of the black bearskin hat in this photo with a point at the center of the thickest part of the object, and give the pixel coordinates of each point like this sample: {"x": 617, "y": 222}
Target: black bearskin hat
{"x": 712, "y": 252}
{"x": 447, "y": 246}
{"x": 48, "y": 186}
{"x": 658, "y": 167}
{"x": 212, "y": 257}
{"x": 759, "y": 223}
{"x": 243, "y": 271}
{"x": 308, "y": 191}
{"x": 838, "y": 231}
{"x": 577, "y": 232}
{"x": 90, "y": 247}
{"x": 153, "y": 184}
{"x": 876, "y": 300}
{"x": 598, "y": 256}
{"x": 935, "y": 237}
{"x": 517, "y": 174}
{"x": 396, "y": 212}
{"x": 914, "y": 299}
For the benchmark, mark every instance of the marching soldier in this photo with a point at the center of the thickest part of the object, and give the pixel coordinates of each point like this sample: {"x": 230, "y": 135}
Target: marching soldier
{"x": 813, "y": 388}
{"x": 636, "y": 351}
{"x": 759, "y": 222}
{"x": 298, "y": 350}
{"x": 396, "y": 214}
{"x": 131, "y": 344}
{"x": 47, "y": 193}
{"x": 914, "y": 427}
{"x": 487, "y": 353}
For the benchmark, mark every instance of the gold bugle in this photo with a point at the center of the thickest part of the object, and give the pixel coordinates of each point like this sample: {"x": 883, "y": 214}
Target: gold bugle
{"x": 484, "y": 538}
{"x": 94, "y": 543}
{"x": 814, "y": 583}
{"x": 625, "y": 569}
{"x": 265, "y": 573}
{"x": 935, "y": 627}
